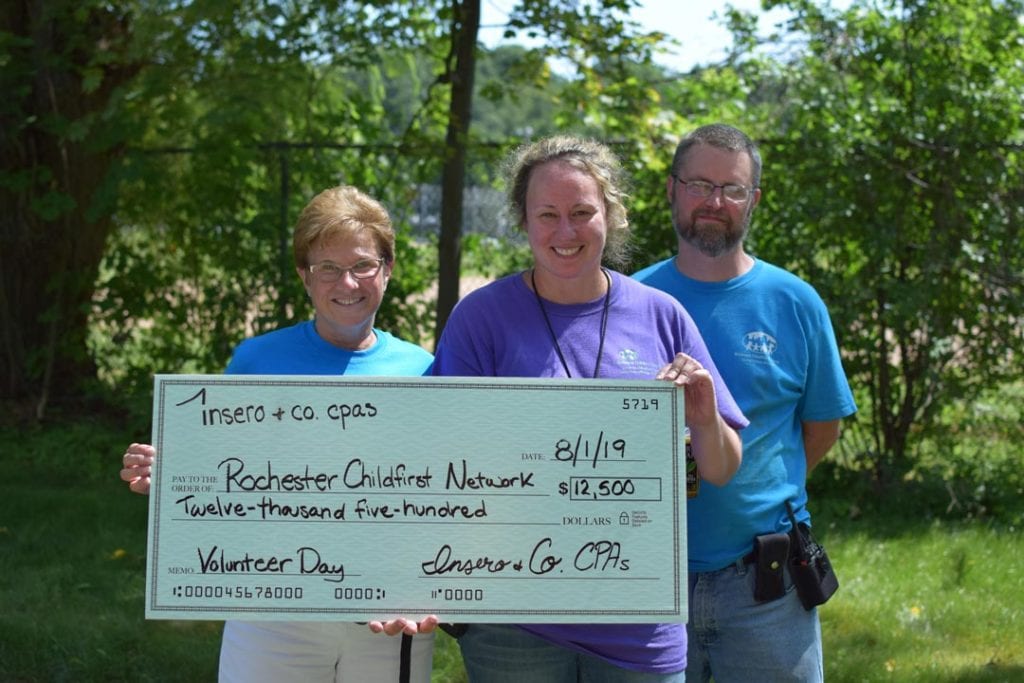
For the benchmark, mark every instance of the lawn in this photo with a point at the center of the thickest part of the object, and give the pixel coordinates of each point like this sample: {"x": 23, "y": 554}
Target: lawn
{"x": 921, "y": 598}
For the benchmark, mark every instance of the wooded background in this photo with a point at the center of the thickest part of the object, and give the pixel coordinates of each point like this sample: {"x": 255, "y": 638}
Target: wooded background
{"x": 155, "y": 153}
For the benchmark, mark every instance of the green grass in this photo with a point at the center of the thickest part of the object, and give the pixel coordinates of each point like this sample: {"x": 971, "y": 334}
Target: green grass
{"x": 72, "y": 576}
{"x": 72, "y": 570}
{"x": 921, "y": 598}
{"x": 924, "y": 602}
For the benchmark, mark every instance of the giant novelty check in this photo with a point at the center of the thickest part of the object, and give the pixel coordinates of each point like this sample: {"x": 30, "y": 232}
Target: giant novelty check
{"x": 355, "y": 499}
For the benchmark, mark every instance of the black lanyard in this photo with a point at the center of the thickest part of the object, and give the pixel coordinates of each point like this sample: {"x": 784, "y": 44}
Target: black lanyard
{"x": 551, "y": 330}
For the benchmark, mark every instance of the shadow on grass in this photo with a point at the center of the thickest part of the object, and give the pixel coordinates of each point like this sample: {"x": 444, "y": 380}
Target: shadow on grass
{"x": 990, "y": 673}
{"x": 861, "y": 657}
{"x": 72, "y": 572}
{"x": 840, "y": 497}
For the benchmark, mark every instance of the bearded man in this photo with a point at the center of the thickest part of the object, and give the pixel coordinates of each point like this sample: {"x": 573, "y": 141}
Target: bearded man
{"x": 770, "y": 336}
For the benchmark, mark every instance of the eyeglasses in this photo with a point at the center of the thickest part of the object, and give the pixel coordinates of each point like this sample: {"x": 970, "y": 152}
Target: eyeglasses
{"x": 328, "y": 271}
{"x": 737, "y": 194}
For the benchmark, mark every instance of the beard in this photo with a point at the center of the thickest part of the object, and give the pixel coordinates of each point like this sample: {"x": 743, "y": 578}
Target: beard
{"x": 711, "y": 237}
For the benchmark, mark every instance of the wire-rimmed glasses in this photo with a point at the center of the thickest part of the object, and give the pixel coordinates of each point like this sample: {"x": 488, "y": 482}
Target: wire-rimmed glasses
{"x": 737, "y": 194}
{"x": 328, "y": 271}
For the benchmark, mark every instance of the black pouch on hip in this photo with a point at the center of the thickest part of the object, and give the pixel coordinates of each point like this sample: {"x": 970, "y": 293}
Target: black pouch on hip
{"x": 771, "y": 552}
{"x": 809, "y": 566}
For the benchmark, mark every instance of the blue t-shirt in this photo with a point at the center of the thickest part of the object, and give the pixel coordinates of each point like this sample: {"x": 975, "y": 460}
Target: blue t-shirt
{"x": 771, "y": 337}
{"x": 300, "y": 350}
{"x": 500, "y": 331}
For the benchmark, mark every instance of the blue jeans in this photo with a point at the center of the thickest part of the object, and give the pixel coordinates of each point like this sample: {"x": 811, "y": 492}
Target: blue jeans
{"x": 502, "y": 653}
{"x": 735, "y": 639}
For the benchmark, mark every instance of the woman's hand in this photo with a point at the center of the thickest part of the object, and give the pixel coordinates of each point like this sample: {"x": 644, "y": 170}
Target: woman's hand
{"x": 717, "y": 447}
{"x": 698, "y": 387}
{"x": 137, "y": 466}
{"x": 406, "y": 626}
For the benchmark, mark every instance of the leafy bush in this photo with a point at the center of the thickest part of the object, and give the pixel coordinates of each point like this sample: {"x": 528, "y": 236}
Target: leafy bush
{"x": 966, "y": 467}
{"x": 976, "y": 455}
{"x": 494, "y": 257}
{"x": 84, "y": 451}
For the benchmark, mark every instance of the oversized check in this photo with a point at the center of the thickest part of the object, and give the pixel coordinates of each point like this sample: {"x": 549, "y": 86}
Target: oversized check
{"x": 361, "y": 498}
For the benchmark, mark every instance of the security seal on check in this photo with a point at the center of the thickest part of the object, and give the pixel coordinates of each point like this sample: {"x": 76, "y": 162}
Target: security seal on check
{"x": 494, "y": 500}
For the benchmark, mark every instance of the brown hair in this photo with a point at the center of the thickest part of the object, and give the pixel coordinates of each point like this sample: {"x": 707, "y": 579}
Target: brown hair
{"x": 720, "y": 136}
{"x": 339, "y": 212}
{"x": 589, "y": 156}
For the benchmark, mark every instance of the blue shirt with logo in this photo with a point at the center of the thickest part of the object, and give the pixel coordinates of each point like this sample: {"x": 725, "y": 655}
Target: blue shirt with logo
{"x": 772, "y": 341}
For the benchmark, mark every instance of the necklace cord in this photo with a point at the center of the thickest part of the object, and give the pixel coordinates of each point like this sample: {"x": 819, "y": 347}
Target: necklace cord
{"x": 551, "y": 330}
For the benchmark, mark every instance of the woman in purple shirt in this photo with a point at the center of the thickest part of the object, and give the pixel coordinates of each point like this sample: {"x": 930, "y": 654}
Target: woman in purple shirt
{"x": 568, "y": 316}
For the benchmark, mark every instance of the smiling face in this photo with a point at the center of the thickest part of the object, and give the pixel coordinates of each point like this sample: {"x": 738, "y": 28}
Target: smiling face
{"x": 566, "y": 227}
{"x": 712, "y": 225}
{"x": 346, "y": 308}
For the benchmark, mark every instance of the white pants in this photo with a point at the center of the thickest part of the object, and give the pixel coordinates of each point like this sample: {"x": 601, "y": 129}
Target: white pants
{"x": 317, "y": 652}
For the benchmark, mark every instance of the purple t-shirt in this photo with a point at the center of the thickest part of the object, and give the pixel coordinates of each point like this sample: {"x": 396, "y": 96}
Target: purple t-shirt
{"x": 500, "y": 331}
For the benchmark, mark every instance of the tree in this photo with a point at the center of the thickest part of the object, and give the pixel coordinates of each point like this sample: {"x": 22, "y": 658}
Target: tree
{"x": 65, "y": 67}
{"x": 460, "y": 72}
{"x": 894, "y": 182}
{"x": 199, "y": 154}
{"x": 581, "y": 34}
{"x": 176, "y": 141}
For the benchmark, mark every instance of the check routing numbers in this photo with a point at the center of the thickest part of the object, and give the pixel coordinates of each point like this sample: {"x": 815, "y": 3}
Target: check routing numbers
{"x": 313, "y": 498}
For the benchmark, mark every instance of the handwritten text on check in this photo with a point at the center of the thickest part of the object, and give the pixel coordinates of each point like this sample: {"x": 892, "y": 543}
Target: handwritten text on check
{"x": 350, "y": 499}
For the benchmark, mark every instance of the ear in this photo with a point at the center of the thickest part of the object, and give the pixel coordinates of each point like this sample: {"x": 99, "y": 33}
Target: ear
{"x": 669, "y": 186}
{"x": 304, "y": 276}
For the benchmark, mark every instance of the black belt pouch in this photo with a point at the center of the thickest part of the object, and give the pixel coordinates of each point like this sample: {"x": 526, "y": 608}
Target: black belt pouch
{"x": 811, "y": 570}
{"x": 771, "y": 552}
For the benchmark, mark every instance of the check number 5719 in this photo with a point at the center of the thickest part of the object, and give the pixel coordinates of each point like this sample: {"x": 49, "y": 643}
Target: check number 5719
{"x": 639, "y": 404}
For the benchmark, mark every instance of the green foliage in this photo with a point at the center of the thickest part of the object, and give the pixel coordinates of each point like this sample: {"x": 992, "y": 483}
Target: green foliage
{"x": 966, "y": 467}
{"x": 405, "y": 311}
{"x": 892, "y": 135}
{"x": 64, "y": 66}
{"x": 201, "y": 257}
{"x": 517, "y": 94}
{"x": 494, "y": 257}
{"x": 234, "y": 137}
{"x": 96, "y": 444}
{"x": 975, "y": 453}
{"x": 893, "y": 183}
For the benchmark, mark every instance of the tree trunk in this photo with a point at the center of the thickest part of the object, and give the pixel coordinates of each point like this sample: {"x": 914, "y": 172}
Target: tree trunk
{"x": 55, "y": 154}
{"x": 466, "y": 25}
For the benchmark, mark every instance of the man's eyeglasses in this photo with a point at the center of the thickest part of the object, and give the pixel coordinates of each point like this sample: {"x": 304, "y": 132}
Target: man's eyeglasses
{"x": 328, "y": 271}
{"x": 737, "y": 194}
